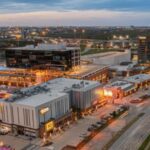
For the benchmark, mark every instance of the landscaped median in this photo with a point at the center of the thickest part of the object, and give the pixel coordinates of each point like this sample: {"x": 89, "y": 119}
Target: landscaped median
{"x": 93, "y": 133}
{"x": 98, "y": 50}
{"x": 146, "y": 144}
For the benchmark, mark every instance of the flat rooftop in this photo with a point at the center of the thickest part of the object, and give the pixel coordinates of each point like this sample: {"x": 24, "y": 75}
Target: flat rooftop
{"x": 45, "y": 47}
{"x": 49, "y": 91}
{"x": 138, "y": 78}
{"x": 85, "y": 70}
{"x": 130, "y": 67}
{"x": 120, "y": 68}
{"x": 64, "y": 84}
{"x": 39, "y": 99}
{"x": 124, "y": 85}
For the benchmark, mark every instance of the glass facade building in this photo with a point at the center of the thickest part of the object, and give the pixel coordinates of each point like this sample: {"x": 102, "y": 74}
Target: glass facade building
{"x": 62, "y": 59}
{"x": 144, "y": 50}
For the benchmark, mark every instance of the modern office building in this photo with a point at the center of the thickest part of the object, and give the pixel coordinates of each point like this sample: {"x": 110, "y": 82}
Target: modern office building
{"x": 43, "y": 55}
{"x": 38, "y": 109}
{"x": 144, "y": 49}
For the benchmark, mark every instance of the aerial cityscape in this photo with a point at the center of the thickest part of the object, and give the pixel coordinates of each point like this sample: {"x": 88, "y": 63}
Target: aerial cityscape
{"x": 74, "y": 75}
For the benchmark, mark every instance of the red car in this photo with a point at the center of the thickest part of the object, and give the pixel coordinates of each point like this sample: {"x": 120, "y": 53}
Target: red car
{"x": 138, "y": 100}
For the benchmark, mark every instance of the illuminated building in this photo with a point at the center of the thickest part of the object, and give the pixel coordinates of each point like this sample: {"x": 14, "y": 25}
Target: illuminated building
{"x": 140, "y": 80}
{"x": 26, "y": 77}
{"x": 126, "y": 86}
{"x": 38, "y": 109}
{"x": 90, "y": 72}
{"x": 144, "y": 49}
{"x": 118, "y": 89}
{"x": 42, "y": 55}
{"x": 16, "y": 77}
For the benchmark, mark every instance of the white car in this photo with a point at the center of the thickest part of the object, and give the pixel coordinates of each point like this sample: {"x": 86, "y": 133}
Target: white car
{"x": 4, "y": 130}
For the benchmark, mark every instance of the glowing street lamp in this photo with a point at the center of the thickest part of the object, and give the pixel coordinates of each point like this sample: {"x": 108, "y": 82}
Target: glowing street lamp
{"x": 83, "y": 31}
{"x": 127, "y": 36}
{"x": 1, "y": 143}
{"x": 75, "y": 31}
{"x": 18, "y": 37}
{"x": 114, "y": 36}
{"x": 121, "y": 37}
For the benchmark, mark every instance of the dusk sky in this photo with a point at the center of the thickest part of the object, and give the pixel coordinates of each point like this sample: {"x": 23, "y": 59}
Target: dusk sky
{"x": 74, "y": 12}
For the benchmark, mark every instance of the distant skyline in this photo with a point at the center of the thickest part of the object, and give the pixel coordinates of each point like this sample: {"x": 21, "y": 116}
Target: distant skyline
{"x": 74, "y": 12}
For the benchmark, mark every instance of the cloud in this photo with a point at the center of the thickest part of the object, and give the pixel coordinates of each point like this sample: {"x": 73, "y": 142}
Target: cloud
{"x": 14, "y": 6}
{"x": 74, "y": 12}
{"x": 76, "y": 17}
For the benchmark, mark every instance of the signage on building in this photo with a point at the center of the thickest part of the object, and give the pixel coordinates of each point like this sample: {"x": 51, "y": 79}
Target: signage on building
{"x": 44, "y": 110}
{"x": 49, "y": 126}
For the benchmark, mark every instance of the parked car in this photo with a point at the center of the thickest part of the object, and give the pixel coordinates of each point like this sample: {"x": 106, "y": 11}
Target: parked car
{"x": 138, "y": 100}
{"x": 90, "y": 129}
{"x": 146, "y": 89}
{"x": 120, "y": 109}
{"x": 103, "y": 121}
{"x": 94, "y": 126}
{"x": 99, "y": 122}
{"x": 4, "y": 130}
{"x": 125, "y": 107}
{"x": 99, "y": 125}
{"x": 107, "y": 118}
{"x": 146, "y": 96}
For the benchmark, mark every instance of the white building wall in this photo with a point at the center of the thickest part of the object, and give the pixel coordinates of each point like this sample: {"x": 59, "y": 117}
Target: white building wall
{"x": 24, "y": 116}
{"x": 30, "y": 117}
{"x": 6, "y": 113}
{"x": 57, "y": 108}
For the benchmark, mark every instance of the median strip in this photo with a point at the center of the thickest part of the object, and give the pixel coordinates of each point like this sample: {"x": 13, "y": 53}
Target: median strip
{"x": 118, "y": 135}
{"x": 146, "y": 144}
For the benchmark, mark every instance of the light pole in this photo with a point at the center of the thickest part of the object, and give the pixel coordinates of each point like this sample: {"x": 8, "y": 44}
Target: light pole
{"x": 83, "y": 31}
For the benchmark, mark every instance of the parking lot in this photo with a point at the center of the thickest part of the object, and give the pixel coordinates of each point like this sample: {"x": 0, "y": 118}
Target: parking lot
{"x": 79, "y": 130}
{"x": 15, "y": 142}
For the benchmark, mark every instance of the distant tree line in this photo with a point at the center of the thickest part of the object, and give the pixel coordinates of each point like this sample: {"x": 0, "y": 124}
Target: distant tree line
{"x": 105, "y": 34}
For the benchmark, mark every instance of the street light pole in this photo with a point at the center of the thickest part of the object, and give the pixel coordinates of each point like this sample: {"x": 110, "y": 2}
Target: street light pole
{"x": 83, "y": 31}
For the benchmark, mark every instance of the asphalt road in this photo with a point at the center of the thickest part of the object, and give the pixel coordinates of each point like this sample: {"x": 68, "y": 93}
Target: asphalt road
{"x": 134, "y": 136}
